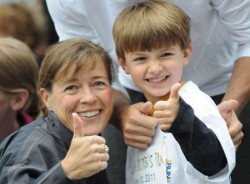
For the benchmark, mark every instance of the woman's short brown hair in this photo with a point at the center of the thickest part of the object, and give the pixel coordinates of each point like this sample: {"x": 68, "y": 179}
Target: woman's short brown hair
{"x": 72, "y": 52}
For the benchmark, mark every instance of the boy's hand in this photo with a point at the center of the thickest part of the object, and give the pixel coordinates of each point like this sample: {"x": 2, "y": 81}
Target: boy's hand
{"x": 226, "y": 109}
{"x": 166, "y": 111}
{"x": 86, "y": 155}
{"x": 138, "y": 127}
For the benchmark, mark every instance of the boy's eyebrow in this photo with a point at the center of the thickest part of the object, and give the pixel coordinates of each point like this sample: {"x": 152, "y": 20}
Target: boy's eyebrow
{"x": 168, "y": 48}
{"x": 142, "y": 52}
{"x": 136, "y": 53}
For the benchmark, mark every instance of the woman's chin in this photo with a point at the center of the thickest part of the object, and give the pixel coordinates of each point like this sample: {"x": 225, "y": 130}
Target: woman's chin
{"x": 92, "y": 131}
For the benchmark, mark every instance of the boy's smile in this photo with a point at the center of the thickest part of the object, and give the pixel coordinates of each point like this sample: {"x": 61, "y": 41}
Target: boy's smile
{"x": 155, "y": 71}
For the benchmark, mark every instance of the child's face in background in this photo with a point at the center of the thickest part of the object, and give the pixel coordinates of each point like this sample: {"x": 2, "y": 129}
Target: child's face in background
{"x": 5, "y": 108}
{"x": 88, "y": 93}
{"x": 155, "y": 71}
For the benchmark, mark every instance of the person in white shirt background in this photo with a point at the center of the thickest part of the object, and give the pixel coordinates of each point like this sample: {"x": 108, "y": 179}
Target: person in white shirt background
{"x": 220, "y": 33}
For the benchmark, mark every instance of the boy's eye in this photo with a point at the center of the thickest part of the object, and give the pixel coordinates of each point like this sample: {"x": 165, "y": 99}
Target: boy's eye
{"x": 166, "y": 54}
{"x": 139, "y": 59}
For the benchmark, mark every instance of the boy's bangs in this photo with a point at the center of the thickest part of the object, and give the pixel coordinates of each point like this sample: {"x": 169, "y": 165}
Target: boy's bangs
{"x": 147, "y": 38}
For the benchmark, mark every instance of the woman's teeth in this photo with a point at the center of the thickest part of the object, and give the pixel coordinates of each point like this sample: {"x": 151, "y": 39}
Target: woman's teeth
{"x": 89, "y": 114}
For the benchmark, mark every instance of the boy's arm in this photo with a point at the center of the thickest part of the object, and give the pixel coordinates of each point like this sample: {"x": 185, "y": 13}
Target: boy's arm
{"x": 198, "y": 143}
{"x": 138, "y": 128}
{"x": 120, "y": 103}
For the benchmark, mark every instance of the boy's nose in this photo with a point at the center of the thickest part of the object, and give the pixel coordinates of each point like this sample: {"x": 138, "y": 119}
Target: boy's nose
{"x": 155, "y": 66}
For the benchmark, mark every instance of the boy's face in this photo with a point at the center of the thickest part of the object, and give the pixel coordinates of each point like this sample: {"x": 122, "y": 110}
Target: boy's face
{"x": 155, "y": 71}
{"x": 88, "y": 93}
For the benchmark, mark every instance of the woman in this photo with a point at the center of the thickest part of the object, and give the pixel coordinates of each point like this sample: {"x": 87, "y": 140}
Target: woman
{"x": 65, "y": 145}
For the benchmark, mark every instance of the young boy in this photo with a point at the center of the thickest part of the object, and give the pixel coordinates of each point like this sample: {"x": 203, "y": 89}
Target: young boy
{"x": 191, "y": 144}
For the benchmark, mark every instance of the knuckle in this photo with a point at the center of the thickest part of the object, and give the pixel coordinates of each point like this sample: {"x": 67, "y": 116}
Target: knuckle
{"x": 242, "y": 135}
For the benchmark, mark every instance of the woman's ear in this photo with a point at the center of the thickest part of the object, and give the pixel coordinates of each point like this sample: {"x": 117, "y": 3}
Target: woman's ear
{"x": 19, "y": 100}
{"x": 44, "y": 96}
{"x": 123, "y": 65}
{"x": 188, "y": 53}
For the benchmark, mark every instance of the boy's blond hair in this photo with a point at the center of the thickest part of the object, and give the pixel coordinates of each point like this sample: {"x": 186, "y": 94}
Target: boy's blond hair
{"x": 150, "y": 24}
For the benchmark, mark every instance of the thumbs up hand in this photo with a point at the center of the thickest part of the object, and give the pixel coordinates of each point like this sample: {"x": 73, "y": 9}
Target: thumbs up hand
{"x": 138, "y": 127}
{"x": 87, "y": 155}
{"x": 226, "y": 109}
{"x": 78, "y": 126}
{"x": 166, "y": 111}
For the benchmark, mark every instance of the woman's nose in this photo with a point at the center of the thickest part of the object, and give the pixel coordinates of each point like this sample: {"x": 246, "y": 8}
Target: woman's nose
{"x": 87, "y": 96}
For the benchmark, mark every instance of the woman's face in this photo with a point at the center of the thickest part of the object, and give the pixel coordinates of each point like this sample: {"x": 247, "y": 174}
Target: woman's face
{"x": 88, "y": 93}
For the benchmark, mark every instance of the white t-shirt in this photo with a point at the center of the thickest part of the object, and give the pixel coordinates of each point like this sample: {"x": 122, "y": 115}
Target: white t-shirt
{"x": 164, "y": 162}
{"x": 220, "y": 33}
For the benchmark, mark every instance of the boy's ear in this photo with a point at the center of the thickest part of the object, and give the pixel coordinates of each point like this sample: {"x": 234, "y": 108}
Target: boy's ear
{"x": 123, "y": 65}
{"x": 19, "y": 100}
{"x": 188, "y": 53}
{"x": 44, "y": 96}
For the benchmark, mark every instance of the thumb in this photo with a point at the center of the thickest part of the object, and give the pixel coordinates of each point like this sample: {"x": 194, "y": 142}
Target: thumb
{"x": 78, "y": 126}
{"x": 145, "y": 107}
{"x": 226, "y": 109}
{"x": 228, "y": 106}
{"x": 174, "y": 91}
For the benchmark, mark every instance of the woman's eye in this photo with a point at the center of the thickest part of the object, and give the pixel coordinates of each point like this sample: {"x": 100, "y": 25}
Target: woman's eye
{"x": 71, "y": 88}
{"x": 100, "y": 84}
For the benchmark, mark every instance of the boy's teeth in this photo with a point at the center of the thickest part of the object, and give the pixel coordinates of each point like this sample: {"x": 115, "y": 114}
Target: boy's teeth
{"x": 156, "y": 80}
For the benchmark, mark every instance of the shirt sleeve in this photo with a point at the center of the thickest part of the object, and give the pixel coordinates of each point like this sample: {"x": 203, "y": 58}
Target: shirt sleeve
{"x": 91, "y": 20}
{"x": 198, "y": 143}
{"x": 235, "y": 15}
{"x": 32, "y": 170}
{"x": 27, "y": 158}
{"x": 23, "y": 174}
